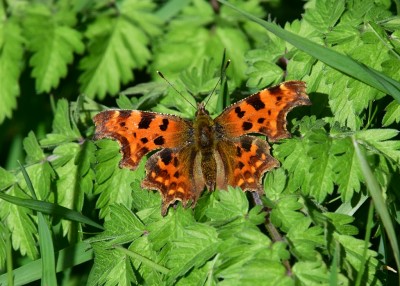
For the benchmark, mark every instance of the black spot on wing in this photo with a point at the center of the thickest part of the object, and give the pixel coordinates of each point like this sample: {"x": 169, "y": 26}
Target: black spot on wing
{"x": 261, "y": 120}
{"x": 275, "y": 90}
{"x": 124, "y": 113}
{"x": 239, "y": 112}
{"x": 144, "y": 140}
{"x": 238, "y": 152}
{"x": 255, "y": 101}
{"x": 175, "y": 162}
{"x": 159, "y": 140}
{"x": 247, "y": 125}
{"x": 246, "y": 143}
{"x": 164, "y": 125}
{"x": 166, "y": 156}
{"x": 146, "y": 120}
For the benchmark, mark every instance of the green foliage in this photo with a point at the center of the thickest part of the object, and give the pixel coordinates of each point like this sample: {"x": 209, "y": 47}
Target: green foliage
{"x": 312, "y": 227}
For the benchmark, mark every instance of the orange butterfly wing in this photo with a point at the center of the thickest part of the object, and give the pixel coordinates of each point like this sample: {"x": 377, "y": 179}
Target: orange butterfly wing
{"x": 139, "y": 132}
{"x": 264, "y": 112}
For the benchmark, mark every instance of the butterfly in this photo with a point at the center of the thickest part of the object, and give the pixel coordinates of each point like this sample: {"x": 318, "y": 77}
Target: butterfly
{"x": 204, "y": 153}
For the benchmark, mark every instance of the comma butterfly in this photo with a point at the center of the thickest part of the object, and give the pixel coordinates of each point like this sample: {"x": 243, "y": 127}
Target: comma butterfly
{"x": 204, "y": 153}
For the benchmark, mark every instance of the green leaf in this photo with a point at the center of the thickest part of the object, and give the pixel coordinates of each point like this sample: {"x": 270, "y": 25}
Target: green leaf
{"x": 32, "y": 148}
{"x": 53, "y": 42}
{"x": 321, "y": 168}
{"x": 392, "y": 114}
{"x": 192, "y": 250}
{"x": 354, "y": 249}
{"x": 112, "y": 267}
{"x": 6, "y": 179}
{"x": 64, "y": 129}
{"x": 297, "y": 163}
{"x": 342, "y": 223}
{"x": 20, "y": 223}
{"x": 347, "y": 169}
{"x": 377, "y": 141}
{"x": 116, "y": 46}
{"x": 73, "y": 180}
{"x": 305, "y": 238}
{"x": 285, "y": 212}
{"x": 324, "y": 15}
{"x": 229, "y": 204}
{"x": 315, "y": 272}
{"x": 11, "y": 52}
{"x": 112, "y": 183}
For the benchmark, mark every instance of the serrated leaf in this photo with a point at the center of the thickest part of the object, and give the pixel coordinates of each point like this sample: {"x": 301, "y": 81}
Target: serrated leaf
{"x": 377, "y": 141}
{"x": 315, "y": 272}
{"x": 324, "y": 14}
{"x": 112, "y": 183}
{"x": 354, "y": 254}
{"x": 21, "y": 225}
{"x": 342, "y": 223}
{"x": 113, "y": 267}
{"x": 321, "y": 169}
{"x": 306, "y": 238}
{"x": 165, "y": 230}
{"x": 6, "y": 179}
{"x": 32, "y": 148}
{"x": 53, "y": 43}
{"x": 197, "y": 245}
{"x": 11, "y": 53}
{"x": 285, "y": 213}
{"x": 297, "y": 163}
{"x": 121, "y": 227}
{"x": 70, "y": 182}
{"x": 116, "y": 46}
{"x": 347, "y": 169}
{"x": 64, "y": 129}
{"x": 230, "y": 204}
{"x": 392, "y": 114}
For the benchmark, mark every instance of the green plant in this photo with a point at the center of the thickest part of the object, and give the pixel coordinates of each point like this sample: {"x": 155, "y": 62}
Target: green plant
{"x": 340, "y": 167}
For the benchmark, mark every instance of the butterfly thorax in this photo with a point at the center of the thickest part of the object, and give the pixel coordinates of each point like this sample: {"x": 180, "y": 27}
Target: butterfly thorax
{"x": 204, "y": 130}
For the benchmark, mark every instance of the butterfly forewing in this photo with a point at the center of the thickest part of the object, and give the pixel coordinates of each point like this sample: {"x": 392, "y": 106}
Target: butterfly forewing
{"x": 139, "y": 132}
{"x": 264, "y": 112}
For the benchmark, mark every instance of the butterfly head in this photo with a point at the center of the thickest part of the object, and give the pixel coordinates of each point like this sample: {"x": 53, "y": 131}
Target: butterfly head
{"x": 201, "y": 110}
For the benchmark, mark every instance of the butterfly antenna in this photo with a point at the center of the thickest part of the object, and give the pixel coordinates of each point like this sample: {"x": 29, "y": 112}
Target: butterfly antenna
{"x": 171, "y": 85}
{"x": 219, "y": 80}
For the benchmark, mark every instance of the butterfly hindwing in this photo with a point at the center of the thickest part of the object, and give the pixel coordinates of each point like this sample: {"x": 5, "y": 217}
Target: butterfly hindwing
{"x": 176, "y": 174}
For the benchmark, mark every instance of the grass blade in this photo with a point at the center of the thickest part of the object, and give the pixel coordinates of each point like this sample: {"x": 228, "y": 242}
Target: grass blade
{"x": 379, "y": 202}
{"x": 47, "y": 252}
{"x": 51, "y": 209}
